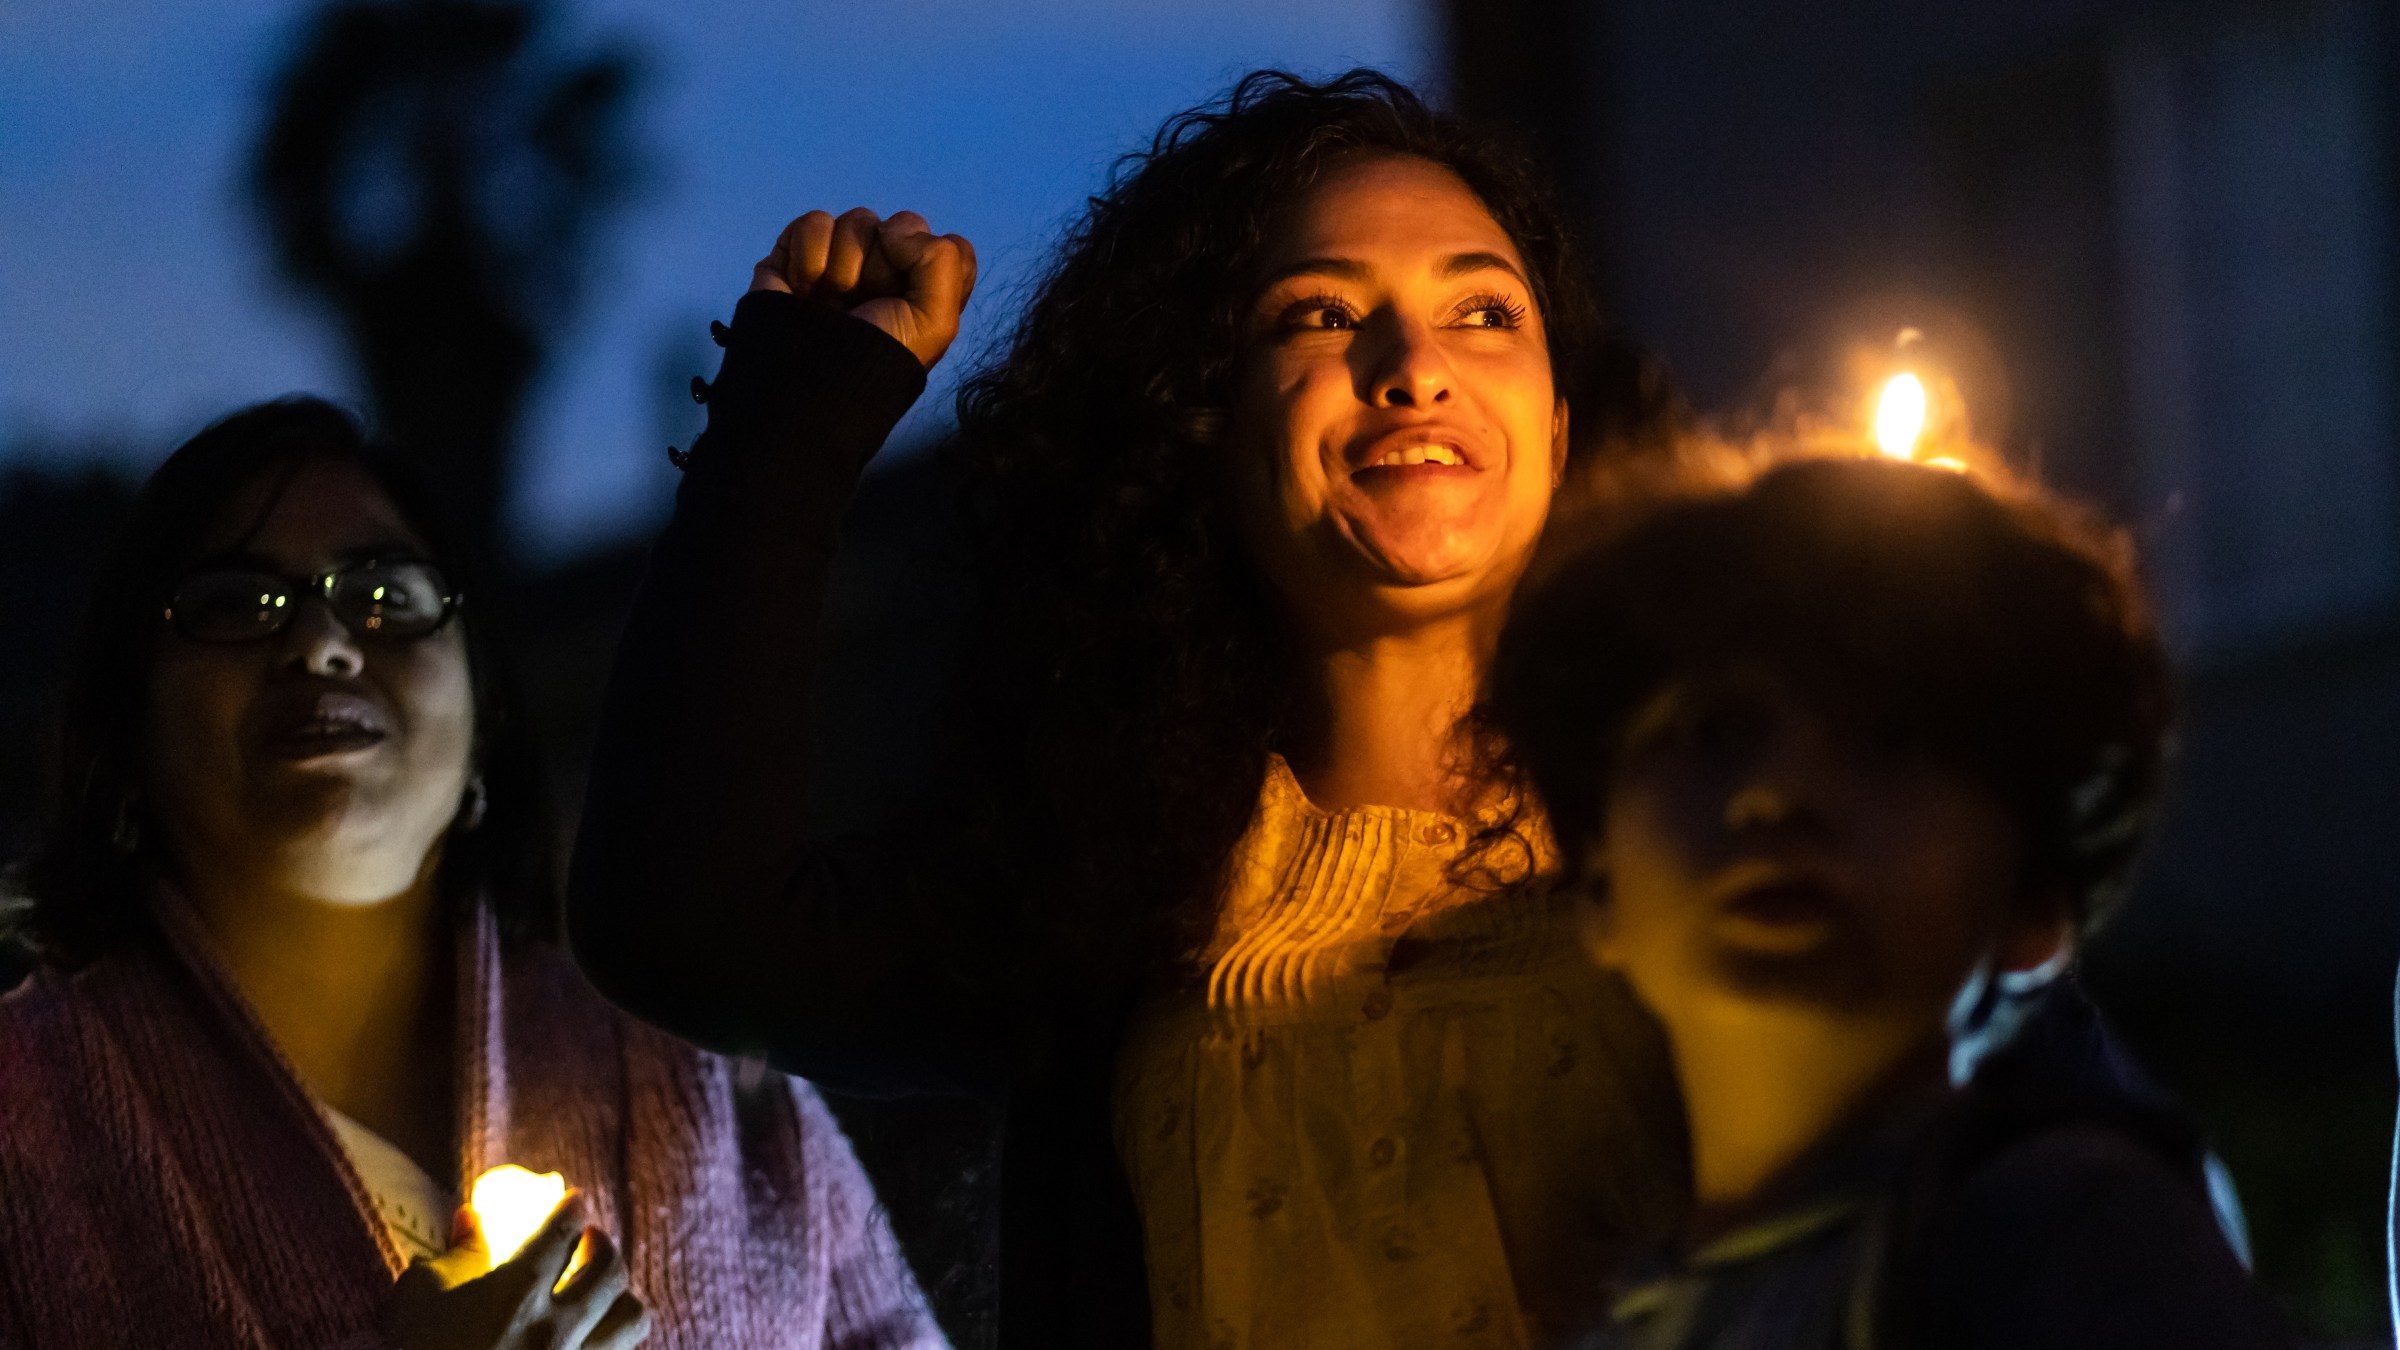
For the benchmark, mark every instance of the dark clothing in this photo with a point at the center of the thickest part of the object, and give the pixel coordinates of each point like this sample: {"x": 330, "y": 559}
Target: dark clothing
{"x": 858, "y": 963}
{"x": 2037, "y": 1210}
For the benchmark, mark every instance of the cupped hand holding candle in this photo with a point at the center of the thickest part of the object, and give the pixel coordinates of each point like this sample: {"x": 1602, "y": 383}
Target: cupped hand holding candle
{"x": 474, "y": 1298}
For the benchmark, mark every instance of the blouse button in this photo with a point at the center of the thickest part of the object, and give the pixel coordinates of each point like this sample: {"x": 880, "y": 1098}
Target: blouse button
{"x": 1383, "y": 1151}
{"x": 1377, "y": 1004}
{"x": 1439, "y": 832}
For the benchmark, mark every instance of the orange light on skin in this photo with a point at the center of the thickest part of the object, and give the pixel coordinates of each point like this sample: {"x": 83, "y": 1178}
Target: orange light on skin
{"x": 1901, "y": 412}
{"x": 511, "y": 1204}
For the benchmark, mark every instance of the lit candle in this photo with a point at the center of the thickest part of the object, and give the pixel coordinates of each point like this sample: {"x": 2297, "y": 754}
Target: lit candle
{"x": 511, "y": 1205}
{"x": 1900, "y": 415}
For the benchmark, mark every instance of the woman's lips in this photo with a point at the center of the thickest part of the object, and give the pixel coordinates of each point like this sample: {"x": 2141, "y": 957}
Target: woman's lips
{"x": 1431, "y": 450}
{"x": 1385, "y": 475}
{"x": 297, "y": 729}
{"x": 316, "y": 740}
{"x": 1788, "y": 914}
{"x": 1798, "y": 900}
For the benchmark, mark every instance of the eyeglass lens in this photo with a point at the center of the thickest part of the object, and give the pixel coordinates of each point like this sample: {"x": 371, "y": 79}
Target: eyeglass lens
{"x": 402, "y": 598}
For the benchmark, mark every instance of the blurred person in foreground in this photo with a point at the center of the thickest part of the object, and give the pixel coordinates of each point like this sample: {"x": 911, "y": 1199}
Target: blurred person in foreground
{"x": 1845, "y": 764}
{"x": 299, "y": 982}
{"x": 1251, "y": 489}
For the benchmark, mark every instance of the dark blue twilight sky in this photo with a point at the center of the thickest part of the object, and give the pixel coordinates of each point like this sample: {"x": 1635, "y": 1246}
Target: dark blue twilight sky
{"x": 136, "y": 301}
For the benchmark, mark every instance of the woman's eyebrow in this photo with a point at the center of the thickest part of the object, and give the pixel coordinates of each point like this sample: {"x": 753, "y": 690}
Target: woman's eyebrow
{"x": 1479, "y": 260}
{"x": 1348, "y": 269}
{"x": 1351, "y": 269}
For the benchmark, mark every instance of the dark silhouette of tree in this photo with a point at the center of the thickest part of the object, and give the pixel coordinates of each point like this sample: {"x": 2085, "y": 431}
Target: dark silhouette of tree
{"x": 434, "y": 171}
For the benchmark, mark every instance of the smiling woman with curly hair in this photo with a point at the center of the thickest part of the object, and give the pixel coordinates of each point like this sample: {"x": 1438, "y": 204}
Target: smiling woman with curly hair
{"x": 1250, "y": 491}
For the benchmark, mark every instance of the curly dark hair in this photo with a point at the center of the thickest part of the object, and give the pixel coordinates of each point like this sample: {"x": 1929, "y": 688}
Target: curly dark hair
{"x": 1995, "y": 630}
{"x": 1131, "y": 678}
{"x": 83, "y": 887}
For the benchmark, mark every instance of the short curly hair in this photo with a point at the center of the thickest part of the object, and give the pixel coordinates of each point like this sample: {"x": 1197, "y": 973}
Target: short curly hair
{"x": 1999, "y": 632}
{"x": 1130, "y": 678}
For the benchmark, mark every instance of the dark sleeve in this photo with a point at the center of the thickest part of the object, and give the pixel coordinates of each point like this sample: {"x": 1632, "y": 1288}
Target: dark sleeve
{"x": 697, "y": 899}
{"x": 2083, "y": 1238}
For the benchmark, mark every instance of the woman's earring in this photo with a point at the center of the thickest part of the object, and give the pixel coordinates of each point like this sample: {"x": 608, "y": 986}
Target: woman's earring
{"x": 471, "y": 809}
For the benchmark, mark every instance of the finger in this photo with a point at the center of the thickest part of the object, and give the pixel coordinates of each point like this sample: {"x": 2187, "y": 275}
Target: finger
{"x": 846, "y": 256}
{"x": 767, "y": 274}
{"x": 469, "y": 1255}
{"x": 903, "y": 226}
{"x": 625, "y": 1325}
{"x": 419, "y": 1279}
{"x": 466, "y": 1231}
{"x": 805, "y": 242}
{"x": 601, "y": 1278}
{"x": 538, "y": 1267}
{"x": 900, "y": 242}
{"x": 966, "y": 251}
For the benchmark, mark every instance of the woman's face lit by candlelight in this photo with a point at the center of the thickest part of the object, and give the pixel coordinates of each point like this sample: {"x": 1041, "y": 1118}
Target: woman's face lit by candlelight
{"x": 1396, "y": 434}
{"x": 314, "y": 761}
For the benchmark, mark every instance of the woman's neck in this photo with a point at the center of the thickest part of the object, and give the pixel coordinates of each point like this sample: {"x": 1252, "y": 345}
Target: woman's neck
{"x": 357, "y": 998}
{"x": 1765, "y": 1088}
{"x": 1379, "y": 725}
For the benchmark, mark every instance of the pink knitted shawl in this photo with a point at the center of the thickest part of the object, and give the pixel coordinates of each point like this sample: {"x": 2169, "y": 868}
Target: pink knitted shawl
{"x": 166, "y": 1181}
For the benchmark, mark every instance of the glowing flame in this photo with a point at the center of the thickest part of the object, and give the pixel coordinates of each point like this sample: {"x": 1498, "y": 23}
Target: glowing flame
{"x": 1900, "y": 415}
{"x": 511, "y": 1205}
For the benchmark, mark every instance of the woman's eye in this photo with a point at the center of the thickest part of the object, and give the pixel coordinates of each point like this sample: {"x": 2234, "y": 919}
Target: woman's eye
{"x": 1318, "y": 313}
{"x": 1492, "y": 311}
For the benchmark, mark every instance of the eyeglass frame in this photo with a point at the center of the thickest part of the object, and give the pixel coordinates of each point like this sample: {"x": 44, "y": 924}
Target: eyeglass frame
{"x": 321, "y": 586}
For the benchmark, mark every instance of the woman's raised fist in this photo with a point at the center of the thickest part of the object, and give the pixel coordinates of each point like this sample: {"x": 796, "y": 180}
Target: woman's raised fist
{"x": 897, "y": 274}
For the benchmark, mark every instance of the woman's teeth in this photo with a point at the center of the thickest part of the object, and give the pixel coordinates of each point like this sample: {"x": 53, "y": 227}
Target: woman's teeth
{"x": 1419, "y": 454}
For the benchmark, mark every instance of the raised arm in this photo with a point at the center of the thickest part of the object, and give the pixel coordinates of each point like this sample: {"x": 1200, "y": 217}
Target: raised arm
{"x": 697, "y": 899}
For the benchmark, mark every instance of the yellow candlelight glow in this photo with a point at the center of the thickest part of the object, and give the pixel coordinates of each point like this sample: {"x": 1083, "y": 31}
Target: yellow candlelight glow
{"x": 511, "y": 1205}
{"x": 1900, "y": 415}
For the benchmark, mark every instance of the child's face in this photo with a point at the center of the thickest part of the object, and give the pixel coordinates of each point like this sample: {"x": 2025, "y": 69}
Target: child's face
{"x": 1757, "y": 857}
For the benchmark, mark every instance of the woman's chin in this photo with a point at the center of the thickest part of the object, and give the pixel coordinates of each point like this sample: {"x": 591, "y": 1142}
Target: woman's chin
{"x": 1426, "y": 561}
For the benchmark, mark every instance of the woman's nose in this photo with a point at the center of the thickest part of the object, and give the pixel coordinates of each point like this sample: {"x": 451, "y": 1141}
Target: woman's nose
{"x": 1796, "y": 782}
{"x": 1414, "y": 372}
{"x": 320, "y": 644}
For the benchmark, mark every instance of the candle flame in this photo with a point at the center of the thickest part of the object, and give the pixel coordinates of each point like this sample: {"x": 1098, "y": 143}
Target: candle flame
{"x": 1900, "y": 415}
{"x": 511, "y": 1205}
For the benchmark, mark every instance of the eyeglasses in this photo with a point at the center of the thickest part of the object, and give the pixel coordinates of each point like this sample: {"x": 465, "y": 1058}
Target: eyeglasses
{"x": 395, "y": 599}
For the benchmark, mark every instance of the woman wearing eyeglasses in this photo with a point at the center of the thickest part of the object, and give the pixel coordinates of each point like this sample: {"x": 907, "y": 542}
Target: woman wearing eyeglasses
{"x": 300, "y": 986}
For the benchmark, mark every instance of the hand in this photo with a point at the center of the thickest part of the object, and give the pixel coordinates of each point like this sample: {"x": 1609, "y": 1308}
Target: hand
{"x": 896, "y": 274}
{"x": 460, "y": 1301}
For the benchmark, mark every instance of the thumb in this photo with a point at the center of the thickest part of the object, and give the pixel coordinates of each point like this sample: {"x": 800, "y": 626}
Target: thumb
{"x": 469, "y": 1256}
{"x": 937, "y": 276}
{"x": 774, "y": 270}
{"x": 466, "y": 1232}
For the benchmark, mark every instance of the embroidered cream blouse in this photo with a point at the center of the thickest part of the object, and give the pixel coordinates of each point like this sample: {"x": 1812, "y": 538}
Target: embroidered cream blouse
{"x": 1388, "y": 1112}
